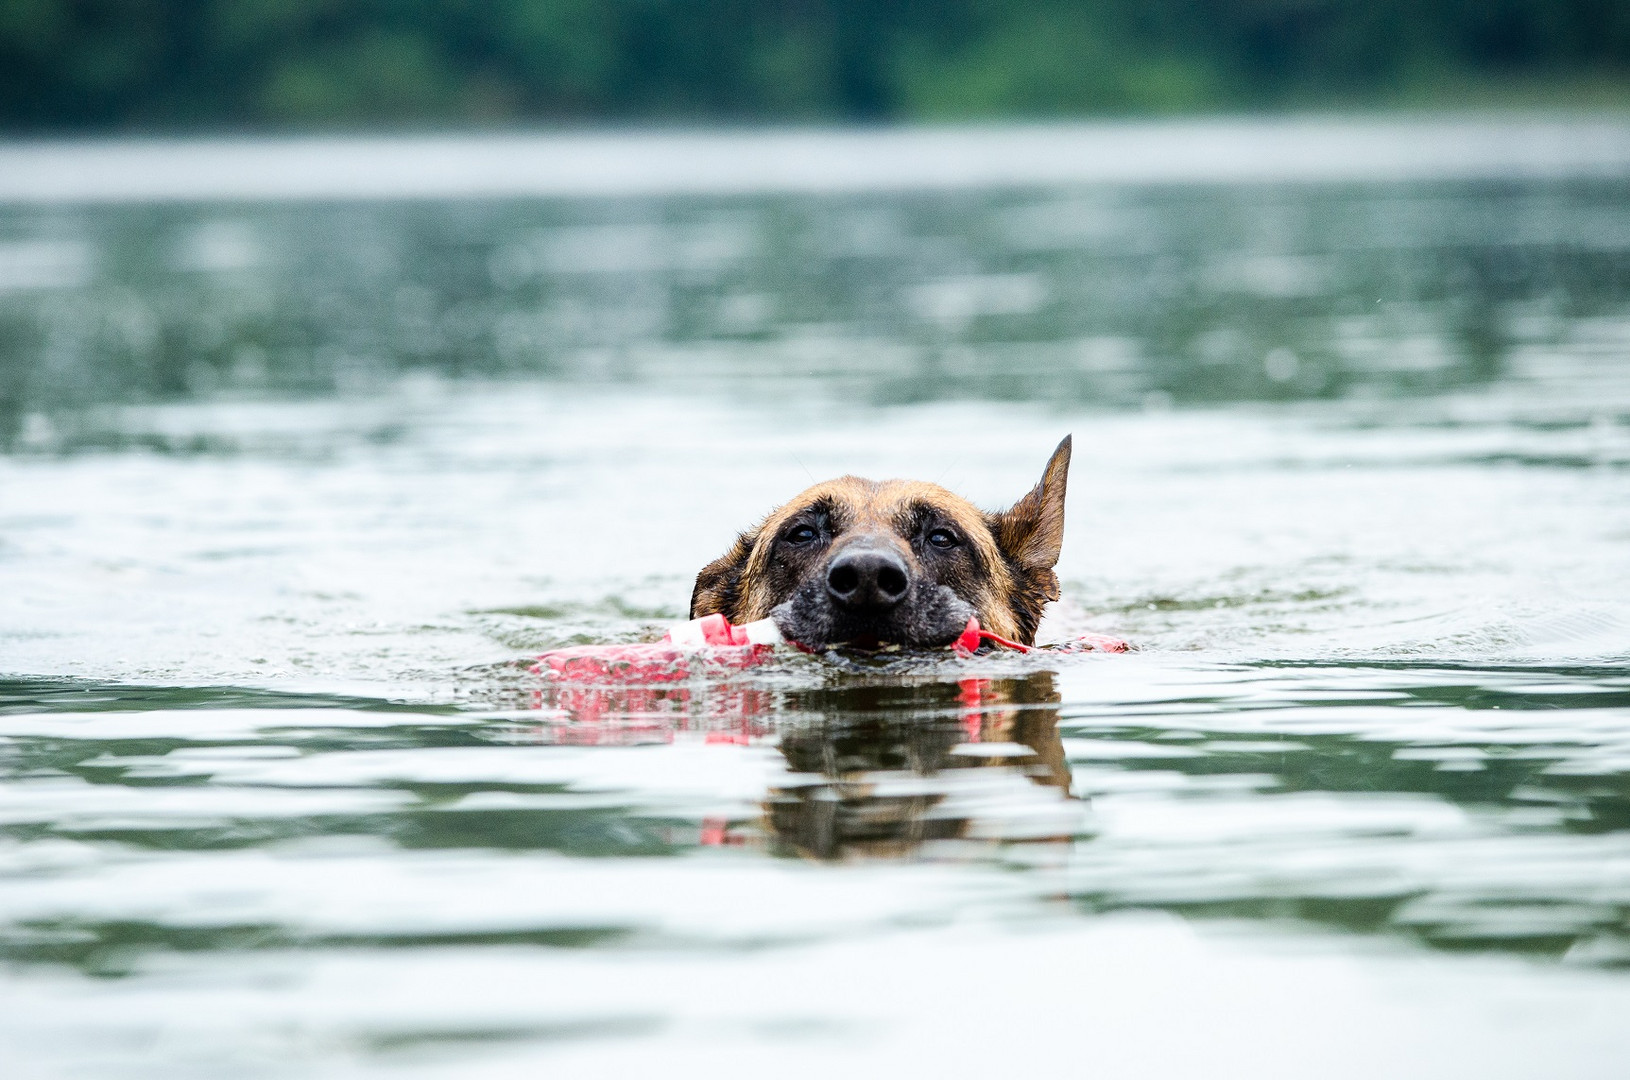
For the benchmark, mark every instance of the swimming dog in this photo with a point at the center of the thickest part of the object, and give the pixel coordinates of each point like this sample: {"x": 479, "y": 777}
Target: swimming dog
{"x": 895, "y": 562}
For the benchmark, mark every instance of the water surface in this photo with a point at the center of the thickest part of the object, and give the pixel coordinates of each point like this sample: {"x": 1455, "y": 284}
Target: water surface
{"x": 292, "y": 490}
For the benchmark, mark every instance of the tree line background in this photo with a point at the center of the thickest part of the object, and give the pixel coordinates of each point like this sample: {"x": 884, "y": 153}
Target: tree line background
{"x": 157, "y": 65}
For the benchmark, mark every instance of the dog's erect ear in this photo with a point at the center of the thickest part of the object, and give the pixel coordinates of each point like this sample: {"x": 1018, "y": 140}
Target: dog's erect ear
{"x": 718, "y": 586}
{"x": 1031, "y": 534}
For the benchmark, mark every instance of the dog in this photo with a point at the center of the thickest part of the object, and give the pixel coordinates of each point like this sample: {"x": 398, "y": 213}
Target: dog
{"x": 873, "y": 564}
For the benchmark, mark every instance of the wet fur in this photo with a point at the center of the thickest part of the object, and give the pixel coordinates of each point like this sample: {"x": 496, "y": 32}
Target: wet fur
{"x": 1002, "y": 572}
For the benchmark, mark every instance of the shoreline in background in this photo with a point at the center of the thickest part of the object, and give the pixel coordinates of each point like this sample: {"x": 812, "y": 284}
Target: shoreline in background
{"x": 814, "y": 160}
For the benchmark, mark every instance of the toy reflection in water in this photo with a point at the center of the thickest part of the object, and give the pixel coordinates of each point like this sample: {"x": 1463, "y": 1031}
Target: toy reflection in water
{"x": 874, "y": 769}
{"x": 640, "y": 715}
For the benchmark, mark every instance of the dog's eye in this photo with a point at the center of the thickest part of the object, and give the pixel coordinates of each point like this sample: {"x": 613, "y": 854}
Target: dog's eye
{"x": 801, "y": 534}
{"x": 942, "y": 538}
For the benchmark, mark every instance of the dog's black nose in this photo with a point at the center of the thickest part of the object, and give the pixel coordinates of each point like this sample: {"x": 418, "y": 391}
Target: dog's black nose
{"x": 868, "y": 579}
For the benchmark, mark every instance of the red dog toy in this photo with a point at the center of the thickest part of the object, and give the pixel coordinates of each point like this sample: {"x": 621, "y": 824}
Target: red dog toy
{"x": 712, "y": 646}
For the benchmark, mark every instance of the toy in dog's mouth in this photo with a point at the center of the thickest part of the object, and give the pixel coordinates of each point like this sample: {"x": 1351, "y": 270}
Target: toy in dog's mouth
{"x": 712, "y": 645}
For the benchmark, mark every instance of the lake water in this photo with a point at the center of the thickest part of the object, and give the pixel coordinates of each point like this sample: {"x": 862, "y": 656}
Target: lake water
{"x": 308, "y": 448}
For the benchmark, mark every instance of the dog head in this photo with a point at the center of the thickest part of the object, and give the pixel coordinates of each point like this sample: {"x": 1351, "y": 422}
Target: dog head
{"x": 872, "y": 563}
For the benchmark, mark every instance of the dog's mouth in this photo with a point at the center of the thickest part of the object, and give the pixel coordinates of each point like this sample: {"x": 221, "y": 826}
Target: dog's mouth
{"x": 864, "y": 643}
{"x": 926, "y": 617}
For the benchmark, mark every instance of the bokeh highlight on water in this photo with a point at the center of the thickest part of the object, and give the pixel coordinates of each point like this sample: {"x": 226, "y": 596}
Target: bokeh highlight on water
{"x": 292, "y": 488}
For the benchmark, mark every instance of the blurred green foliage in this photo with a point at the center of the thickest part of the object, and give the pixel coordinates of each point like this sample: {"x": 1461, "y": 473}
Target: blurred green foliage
{"x": 165, "y": 64}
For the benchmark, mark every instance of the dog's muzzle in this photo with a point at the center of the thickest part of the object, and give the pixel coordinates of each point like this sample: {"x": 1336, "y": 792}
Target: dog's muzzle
{"x": 869, "y": 595}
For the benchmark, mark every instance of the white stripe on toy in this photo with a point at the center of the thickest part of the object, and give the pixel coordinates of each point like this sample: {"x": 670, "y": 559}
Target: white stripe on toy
{"x": 687, "y": 635}
{"x": 764, "y": 632}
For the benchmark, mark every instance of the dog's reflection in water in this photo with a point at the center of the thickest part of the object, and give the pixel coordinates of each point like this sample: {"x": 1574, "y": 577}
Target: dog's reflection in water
{"x": 874, "y": 770}
{"x": 881, "y": 771}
